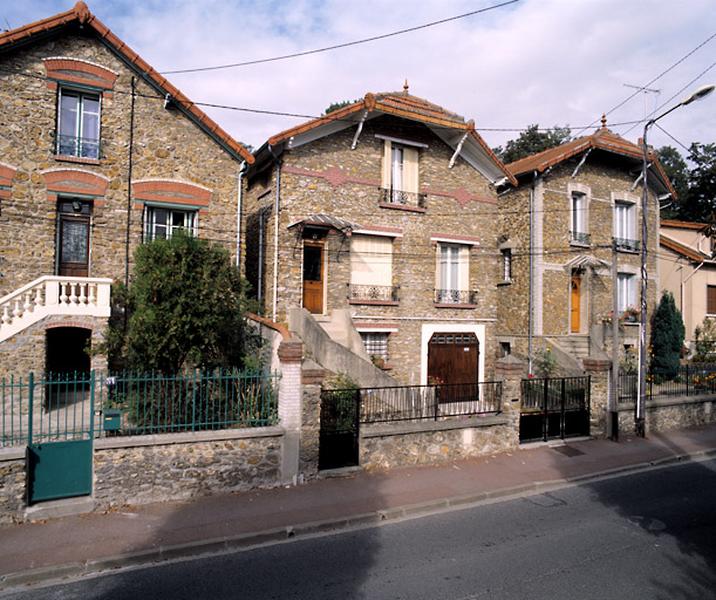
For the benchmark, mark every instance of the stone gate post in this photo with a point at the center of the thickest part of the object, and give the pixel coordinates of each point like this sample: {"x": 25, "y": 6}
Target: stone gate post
{"x": 510, "y": 370}
{"x": 599, "y": 370}
{"x": 290, "y": 355}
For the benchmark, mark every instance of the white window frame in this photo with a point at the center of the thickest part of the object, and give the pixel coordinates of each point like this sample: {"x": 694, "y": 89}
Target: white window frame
{"x": 453, "y": 271}
{"x": 624, "y": 220}
{"x": 379, "y": 265}
{"x": 79, "y": 137}
{"x": 626, "y": 291}
{"x": 191, "y": 221}
{"x": 506, "y": 264}
{"x": 578, "y": 214}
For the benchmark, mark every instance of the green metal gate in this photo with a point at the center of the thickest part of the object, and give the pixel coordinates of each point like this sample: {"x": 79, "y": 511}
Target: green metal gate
{"x": 61, "y": 427}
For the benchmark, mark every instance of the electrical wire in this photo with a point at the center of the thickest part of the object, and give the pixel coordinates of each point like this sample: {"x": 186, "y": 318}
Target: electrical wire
{"x": 342, "y": 45}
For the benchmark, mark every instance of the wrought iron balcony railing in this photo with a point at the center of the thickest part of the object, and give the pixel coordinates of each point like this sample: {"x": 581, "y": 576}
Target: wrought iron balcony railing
{"x": 455, "y": 296}
{"x": 579, "y": 237}
{"x": 70, "y": 145}
{"x": 401, "y": 198}
{"x": 373, "y": 293}
{"x": 627, "y": 244}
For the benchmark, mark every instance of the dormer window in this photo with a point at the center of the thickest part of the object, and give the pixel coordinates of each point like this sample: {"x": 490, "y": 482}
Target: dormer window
{"x": 78, "y": 124}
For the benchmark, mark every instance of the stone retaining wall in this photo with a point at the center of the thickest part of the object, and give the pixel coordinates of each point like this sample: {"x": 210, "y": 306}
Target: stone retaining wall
{"x": 385, "y": 446}
{"x": 12, "y": 485}
{"x": 671, "y": 413}
{"x": 143, "y": 469}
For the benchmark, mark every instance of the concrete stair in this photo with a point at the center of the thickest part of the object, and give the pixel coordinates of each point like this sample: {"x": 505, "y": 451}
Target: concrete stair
{"x": 576, "y": 345}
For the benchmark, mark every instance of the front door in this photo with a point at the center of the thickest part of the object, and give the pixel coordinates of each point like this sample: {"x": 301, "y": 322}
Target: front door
{"x": 313, "y": 277}
{"x": 575, "y": 301}
{"x": 453, "y": 358}
{"x": 73, "y": 238}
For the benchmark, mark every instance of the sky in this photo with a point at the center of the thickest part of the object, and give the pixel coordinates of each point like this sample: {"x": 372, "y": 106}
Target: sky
{"x": 551, "y": 62}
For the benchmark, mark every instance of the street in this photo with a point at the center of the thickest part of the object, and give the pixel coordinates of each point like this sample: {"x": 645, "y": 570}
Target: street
{"x": 649, "y": 535}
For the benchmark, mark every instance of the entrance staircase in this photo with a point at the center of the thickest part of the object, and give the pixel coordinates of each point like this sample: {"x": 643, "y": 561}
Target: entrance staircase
{"x": 53, "y": 295}
{"x": 570, "y": 351}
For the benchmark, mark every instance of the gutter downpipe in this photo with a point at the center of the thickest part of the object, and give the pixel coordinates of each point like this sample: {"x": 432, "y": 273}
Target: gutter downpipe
{"x": 276, "y": 206}
{"x": 239, "y": 201}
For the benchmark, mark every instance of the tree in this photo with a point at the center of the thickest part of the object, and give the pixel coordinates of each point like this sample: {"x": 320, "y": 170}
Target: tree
{"x": 334, "y": 106}
{"x": 678, "y": 172}
{"x": 667, "y": 337}
{"x": 183, "y": 309}
{"x": 700, "y": 201}
{"x": 531, "y": 141}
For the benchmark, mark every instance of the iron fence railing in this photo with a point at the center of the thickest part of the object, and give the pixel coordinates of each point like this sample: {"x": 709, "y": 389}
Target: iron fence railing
{"x": 65, "y": 406}
{"x": 373, "y": 293}
{"x": 686, "y": 380}
{"x": 402, "y": 198}
{"x": 554, "y": 394}
{"x": 420, "y": 402}
{"x": 70, "y": 145}
{"x": 626, "y": 244}
{"x": 579, "y": 237}
{"x": 455, "y": 296}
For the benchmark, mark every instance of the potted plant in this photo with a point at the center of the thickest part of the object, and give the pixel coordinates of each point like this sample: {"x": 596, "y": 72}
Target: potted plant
{"x": 630, "y": 315}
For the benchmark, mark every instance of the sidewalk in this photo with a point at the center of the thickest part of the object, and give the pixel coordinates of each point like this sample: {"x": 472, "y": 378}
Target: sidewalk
{"x": 75, "y": 545}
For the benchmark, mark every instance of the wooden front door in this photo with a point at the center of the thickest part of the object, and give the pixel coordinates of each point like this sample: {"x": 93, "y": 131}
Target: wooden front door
{"x": 73, "y": 239}
{"x": 453, "y": 358}
{"x": 575, "y": 304}
{"x": 313, "y": 277}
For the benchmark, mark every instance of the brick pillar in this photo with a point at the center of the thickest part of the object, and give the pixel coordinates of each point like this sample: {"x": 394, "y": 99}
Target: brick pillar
{"x": 599, "y": 371}
{"x": 290, "y": 355}
{"x": 510, "y": 370}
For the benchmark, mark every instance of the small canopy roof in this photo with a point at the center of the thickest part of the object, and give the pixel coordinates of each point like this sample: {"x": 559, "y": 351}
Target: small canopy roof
{"x": 325, "y": 221}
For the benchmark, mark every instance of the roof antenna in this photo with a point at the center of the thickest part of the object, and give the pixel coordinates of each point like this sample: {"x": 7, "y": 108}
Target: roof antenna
{"x": 7, "y": 23}
{"x": 405, "y": 86}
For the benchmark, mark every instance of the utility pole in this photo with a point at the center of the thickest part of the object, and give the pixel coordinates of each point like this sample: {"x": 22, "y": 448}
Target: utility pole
{"x": 613, "y": 403}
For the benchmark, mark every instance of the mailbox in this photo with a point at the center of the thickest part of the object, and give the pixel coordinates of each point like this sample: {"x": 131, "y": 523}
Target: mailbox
{"x": 112, "y": 419}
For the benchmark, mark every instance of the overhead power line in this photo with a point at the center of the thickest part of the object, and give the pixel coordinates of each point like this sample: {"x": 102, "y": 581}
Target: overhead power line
{"x": 343, "y": 45}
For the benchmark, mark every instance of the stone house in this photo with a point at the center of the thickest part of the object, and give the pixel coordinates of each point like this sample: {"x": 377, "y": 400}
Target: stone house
{"x": 573, "y": 220}
{"x": 99, "y": 152}
{"x": 687, "y": 269}
{"x": 378, "y": 221}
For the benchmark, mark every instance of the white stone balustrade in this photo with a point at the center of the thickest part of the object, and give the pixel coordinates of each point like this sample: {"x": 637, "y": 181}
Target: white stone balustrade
{"x": 53, "y": 295}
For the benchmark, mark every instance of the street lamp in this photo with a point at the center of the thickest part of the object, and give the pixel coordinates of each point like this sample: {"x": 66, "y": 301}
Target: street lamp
{"x": 639, "y": 421}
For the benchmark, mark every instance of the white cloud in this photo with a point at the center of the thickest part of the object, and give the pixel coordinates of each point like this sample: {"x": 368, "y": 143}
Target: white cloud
{"x": 539, "y": 61}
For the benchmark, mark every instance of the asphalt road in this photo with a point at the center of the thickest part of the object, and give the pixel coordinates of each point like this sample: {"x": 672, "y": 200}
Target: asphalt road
{"x": 650, "y": 535}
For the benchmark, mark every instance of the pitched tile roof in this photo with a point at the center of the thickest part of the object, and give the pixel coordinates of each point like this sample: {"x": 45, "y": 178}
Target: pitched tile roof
{"x": 399, "y": 104}
{"x": 602, "y": 139}
{"x": 81, "y": 15}
{"x": 682, "y": 249}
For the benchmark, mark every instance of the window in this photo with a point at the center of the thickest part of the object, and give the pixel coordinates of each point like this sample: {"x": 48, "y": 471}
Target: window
{"x": 161, "y": 223}
{"x": 372, "y": 268}
{"x": 506, "y": 264}
{"x": 578, "y": 226}
{"x": 78, "y": 124}
{"x": 505, "y": 349}
{"x": 711, "y": 299}
{"x": 376, "y": 344}
{"x": 624, "y": 226}
{"x": 453, "y": 274}
{"x": 626, "y": 291}
{"x": 400, "y": 182}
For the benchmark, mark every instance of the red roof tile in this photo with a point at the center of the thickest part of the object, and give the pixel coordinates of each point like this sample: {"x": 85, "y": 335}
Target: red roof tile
{"x": 602, "y": 139}
{"x": 81, "y": 14}
{"x": 674, "y": 223}
{"x": 682, "y": 249}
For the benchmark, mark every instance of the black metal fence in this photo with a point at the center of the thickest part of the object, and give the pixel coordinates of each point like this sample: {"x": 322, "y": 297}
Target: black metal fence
{"x": 554, "y": 408}
{"x": 420, "y": 402}
{"x": 686, "y": 380}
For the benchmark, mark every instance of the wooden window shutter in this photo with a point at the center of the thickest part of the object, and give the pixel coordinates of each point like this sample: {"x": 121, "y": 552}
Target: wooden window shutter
{"x": 387, "y": 164}
{"x": 464, "y": 277}
{"x": 711, "y": 299}
{"x": 371, "y": 260}
{"x": 410, "y": 170}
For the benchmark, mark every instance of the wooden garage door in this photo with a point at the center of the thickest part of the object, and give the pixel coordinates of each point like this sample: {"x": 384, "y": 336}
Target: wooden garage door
{"x": 453, "y": 358}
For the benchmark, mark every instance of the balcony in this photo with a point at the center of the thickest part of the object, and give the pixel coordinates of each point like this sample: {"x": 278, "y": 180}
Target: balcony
{"x": 373, "y": 294}
{"x": 390, "y": 198}
{"x": 579, "y": 238}
{"x": 456, "y": 298}
{"x": 626, "y": 245}
{"x": 53, "y": 295}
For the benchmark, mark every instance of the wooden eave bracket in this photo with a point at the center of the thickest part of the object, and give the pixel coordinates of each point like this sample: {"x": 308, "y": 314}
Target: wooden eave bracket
{"x": 451, "y": 164}
{"x": 364, "y": 116}
{"x": 581, "y": 163}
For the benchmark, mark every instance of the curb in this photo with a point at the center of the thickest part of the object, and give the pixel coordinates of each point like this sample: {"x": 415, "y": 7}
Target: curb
{"x": 53, "y": 574}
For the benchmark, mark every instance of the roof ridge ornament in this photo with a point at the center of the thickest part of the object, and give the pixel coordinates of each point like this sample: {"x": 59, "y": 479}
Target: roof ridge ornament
{"x": 406, "y": 87}
{"x": 83, "y": 12}
{"x": 604, "y": 121}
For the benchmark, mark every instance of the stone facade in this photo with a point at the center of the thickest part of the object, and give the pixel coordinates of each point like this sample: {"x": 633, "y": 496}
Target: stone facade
{"x": 398, "y": 445}
{"x": 12, "y": 486}
{"x": 175, "y": 164}
{"x": 603, "y": 180}
{"x": 327, "y": 176}
{"x": 140, "y": 470}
